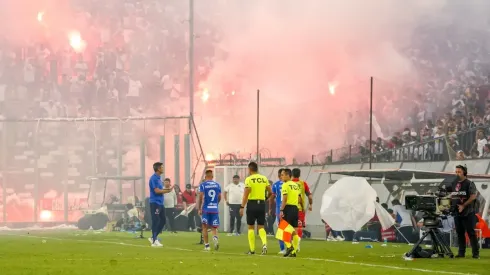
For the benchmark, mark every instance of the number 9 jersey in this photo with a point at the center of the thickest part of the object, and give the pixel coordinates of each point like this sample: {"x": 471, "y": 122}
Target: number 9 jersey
{"x": 211, "y": 191}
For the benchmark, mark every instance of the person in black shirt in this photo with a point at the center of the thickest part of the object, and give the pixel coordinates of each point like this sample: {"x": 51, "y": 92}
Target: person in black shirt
{"x": 271, "y": 215}
{"x": 463, "y": 202}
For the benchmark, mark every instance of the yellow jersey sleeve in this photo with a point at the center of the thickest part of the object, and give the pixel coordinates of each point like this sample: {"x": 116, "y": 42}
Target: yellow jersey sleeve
{"x": 248, "y": 183}
{"x": 284, "y": 189}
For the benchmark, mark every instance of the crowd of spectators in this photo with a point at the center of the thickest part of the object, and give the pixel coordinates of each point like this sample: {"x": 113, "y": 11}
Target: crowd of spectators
{"x": 450, "y": 113}
{"x": 116, "y": 75}
{"x": 135, "y": 58}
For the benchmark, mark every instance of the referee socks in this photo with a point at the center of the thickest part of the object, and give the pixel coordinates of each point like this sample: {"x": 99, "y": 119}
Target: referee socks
{"x": 263, "y": 236}
{"x": 251, "y": 239}
{"x": 295, "y": 242}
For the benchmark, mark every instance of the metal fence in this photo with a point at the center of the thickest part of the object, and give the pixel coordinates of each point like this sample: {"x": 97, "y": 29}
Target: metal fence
{"x": 439, "y": 149}
{"x": 45, "y": 164}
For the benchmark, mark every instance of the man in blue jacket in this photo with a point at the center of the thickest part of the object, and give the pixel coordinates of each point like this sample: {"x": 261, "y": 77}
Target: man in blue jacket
{"x": 156, "y": 203}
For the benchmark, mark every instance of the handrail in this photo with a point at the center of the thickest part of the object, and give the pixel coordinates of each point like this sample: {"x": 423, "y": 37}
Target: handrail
{"x": 357, "y": 156}
{"x": 84, "y": 119}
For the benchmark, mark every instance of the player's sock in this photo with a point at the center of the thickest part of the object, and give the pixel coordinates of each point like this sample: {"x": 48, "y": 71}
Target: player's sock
{"x": 263, "y": 236}
{"x": 281, "y": 245}
{"x": 216, "y": 243}
{"x": 251, "y": 239}
{"x": 295, "y": 242}
{"x": 288, "y": 245}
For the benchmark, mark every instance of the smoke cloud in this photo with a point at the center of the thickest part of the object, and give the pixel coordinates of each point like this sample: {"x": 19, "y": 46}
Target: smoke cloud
{"x": 311, "y": 60}
{"x": 292, "y": 50}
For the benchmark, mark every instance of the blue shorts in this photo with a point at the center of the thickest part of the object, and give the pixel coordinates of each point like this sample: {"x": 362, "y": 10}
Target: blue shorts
{"x": 278, "y": 214}
{"x": 211, "y": 219}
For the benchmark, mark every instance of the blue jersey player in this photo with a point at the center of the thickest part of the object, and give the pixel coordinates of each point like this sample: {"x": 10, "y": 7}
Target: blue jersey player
{"x": 209, "y": 198}
{"x": 276, "y": 193}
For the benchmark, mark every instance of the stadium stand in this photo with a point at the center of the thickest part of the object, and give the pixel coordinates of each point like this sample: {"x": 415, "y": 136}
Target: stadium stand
{"x": 451, "y": 108}
{"x": 115, "y": 76}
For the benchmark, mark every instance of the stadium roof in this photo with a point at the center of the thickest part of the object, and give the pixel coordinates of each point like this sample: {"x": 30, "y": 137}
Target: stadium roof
{"x": 399, "y": 174}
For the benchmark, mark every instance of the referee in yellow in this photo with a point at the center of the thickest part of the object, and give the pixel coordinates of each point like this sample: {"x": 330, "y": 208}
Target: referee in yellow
{"x": 291, "y": 198}
{"x": 254, "y": 198}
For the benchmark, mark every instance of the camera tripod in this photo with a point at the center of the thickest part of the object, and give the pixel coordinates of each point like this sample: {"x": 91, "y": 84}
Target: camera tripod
{"x": 441, "y": 248}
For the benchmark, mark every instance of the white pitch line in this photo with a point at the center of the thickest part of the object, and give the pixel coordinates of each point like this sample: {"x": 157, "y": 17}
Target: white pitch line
{"x": 101, "y": 260}
{"x": 238, "y": 254}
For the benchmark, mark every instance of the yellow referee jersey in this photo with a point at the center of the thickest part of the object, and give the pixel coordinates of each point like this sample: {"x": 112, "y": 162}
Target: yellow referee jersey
{"x": 292, "y": 190}
{"x": 258, "y": 185}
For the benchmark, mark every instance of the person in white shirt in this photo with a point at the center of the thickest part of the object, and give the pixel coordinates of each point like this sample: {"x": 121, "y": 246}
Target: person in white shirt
{"x": 169, "y": 201}
{"x": 438, "y": 144}
{"x": 134, "y": 88}
{"x": 480, "y": 143}
{"x": 404, "y": 219}
{"x": 233, "y": 198}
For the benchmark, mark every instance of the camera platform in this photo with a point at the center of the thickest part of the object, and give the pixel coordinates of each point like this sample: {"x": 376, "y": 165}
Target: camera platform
{"x": 439, "y": 245}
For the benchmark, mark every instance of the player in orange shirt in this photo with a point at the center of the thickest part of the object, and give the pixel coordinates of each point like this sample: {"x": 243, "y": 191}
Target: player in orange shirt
{"x": 305, "y": 192}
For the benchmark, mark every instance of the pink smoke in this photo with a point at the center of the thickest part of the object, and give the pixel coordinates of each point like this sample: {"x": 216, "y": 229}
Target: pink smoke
{"x": 293, "y": 51}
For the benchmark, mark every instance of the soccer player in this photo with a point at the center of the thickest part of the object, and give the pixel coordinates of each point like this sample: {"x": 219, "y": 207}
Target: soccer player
{"x": 254, "y": 198}
{"x": 276, "y": 194}
{"x": 156, "y": 203}
{"x": 305, "y": 192}
{"x": 289, "y": 209}
{"x": 209, "y": 198}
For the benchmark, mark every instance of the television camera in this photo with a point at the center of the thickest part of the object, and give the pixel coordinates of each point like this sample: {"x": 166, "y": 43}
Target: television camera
{"x": 436, "y": 203}
{"x": 435, "y": 207}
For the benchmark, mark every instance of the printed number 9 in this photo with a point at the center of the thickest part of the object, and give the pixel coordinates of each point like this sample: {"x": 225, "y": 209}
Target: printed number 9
{"x": 212, "y": 194}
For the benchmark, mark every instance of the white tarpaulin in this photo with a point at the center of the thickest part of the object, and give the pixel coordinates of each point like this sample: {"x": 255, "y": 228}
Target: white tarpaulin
{"x": 186, "y": 211}
{"x": 349, "y": 204}
{"x": 385, "y": 219}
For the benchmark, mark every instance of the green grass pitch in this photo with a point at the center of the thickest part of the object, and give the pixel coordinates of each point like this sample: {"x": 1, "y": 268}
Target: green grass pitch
{"x": 97, "y": 253}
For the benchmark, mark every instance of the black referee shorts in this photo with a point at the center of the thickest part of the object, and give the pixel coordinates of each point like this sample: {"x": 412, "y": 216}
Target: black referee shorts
{"x": 291, "y": 215}
{"x": 256, "y": 212}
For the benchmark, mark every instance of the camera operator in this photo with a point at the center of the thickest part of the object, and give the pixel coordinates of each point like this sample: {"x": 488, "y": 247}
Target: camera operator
{"x": 463, "y": 198}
